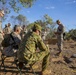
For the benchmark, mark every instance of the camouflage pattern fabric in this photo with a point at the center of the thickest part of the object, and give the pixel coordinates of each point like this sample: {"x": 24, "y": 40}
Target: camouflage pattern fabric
{"x": 28, "y": 50}
{"x": 23, "y": 33}
{"x": 60, "y": 30}
{"x": 7, "y": 30}
{"x": 1, "y": 37}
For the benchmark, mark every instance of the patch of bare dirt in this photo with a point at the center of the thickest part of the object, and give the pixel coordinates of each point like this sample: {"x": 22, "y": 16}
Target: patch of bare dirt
{"x": 63, "y": 65}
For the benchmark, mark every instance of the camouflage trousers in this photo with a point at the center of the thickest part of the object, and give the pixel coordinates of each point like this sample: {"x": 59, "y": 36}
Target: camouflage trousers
{"x": 60, "y": 43}
{"x": 43, "y": 55}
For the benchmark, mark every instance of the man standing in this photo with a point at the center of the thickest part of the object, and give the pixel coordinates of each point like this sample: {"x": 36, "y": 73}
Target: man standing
{"x": 1, "y": 37}
{"x": 1, "y": 16}
{"x": 5, "y": 29}
{"x": 28, "y": 49}
{"x": 1, "y": 32}
{"x": 9, "y": 29}
{"x": 24, "y": 31}
{"x": 59, "y": 33}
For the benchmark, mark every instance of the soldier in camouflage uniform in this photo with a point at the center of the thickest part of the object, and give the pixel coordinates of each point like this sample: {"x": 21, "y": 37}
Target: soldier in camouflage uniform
{"x": 15, "y": 40}
{"x": 24, "y": 31}
{"x": 28, "y": 49}
{"x": 1, "y": 32}
{"x": 59, "y": 33}
{"x": 1, "y": 36}
{"x": 9, "y": 29}
{"x": 5, "y": 29}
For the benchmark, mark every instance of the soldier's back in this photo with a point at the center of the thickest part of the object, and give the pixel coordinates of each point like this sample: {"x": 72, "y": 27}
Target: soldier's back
{"x": 1, "y": 37}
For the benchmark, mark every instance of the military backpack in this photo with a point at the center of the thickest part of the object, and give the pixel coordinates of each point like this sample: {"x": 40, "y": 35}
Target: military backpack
{"x": 6, "y": 40}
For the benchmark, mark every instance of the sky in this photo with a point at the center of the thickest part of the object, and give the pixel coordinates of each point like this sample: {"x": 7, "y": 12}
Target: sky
{"x": 64, "y": 10}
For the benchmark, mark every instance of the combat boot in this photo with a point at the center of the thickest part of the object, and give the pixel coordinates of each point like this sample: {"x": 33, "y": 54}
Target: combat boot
{"x": 59, "y": 53}
{"x": 35, "y": 66}
{"x": 46, "y": 72}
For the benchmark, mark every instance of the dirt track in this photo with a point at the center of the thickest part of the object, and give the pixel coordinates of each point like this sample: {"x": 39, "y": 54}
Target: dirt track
{"x": 64, "y": 65}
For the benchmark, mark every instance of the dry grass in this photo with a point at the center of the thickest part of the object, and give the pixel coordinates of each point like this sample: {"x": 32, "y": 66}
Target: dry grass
{"x": 52, "y": 41}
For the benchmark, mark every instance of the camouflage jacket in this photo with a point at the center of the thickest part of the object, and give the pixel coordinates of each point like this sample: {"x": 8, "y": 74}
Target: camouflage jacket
{"x": 29, "y": 45}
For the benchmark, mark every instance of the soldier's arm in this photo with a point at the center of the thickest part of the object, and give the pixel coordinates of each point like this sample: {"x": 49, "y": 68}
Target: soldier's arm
{"x": 61, "y": 30}
{"x": 41, "y": 44}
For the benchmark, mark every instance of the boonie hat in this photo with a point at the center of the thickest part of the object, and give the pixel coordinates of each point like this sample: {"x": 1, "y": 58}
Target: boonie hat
{"x": 37, "y": 27}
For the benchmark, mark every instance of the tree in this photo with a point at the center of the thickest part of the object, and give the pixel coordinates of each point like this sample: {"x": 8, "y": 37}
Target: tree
{"x": 46, "y": 22}
{"x": 20, "y": 19}
{"x": 30, "y": 26}
{"x": 8, "y": 5}
{"x": 47, "y": 25}
{"x": 12, "y": 19}
{"x": 71, "y": 34}
{"x": 42, "y": 23}
{"x": 49, "y": 22}
{"x": 15, "y": 4}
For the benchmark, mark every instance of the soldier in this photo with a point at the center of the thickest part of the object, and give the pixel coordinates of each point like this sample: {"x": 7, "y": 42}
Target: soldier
{"x": 15, "y": 40}
{"x": 5, "y": 29}
{"x": 1, "y": 32}
{"x": 1, "y": 36}
{"x": 9, "y": 28}
{"x": 28, "y": 49}
{"x": 59, "y": 33}
{"x": 24, "y": 31}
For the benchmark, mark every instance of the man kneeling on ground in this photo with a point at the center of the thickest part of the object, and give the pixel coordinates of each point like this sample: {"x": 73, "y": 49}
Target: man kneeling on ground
{"x": 28, "y": 49}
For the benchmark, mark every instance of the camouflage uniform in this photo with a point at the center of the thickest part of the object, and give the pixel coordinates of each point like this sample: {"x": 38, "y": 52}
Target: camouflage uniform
{"x": 1, "y": 36}
{"x": 28, "y": 50}
{"x": 60, "y": 30}
{"x": 9, "y": 30}
{"x": 23, "y": 32}
{"x": 5, "y": 30}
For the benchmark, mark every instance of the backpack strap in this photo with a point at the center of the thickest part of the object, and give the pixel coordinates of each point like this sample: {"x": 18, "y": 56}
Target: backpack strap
{"x": 12, "y": 39}
{"x": 14, "y": 46}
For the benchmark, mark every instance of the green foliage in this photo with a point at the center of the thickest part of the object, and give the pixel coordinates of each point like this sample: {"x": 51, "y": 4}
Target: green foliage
{"x": 20, "y": 19}
{"x": 15, "y": 4}
{"x": 46, "y": 22}
{"x": 47, "y": 25}
{"x": 47, "y": 19}
{"x": 27, "y": 3}
{"x": 50, "y": 35}
{"x": 71, "y": 34}
{"x": 67, "y": 36}
{"x": 42, "y": 23}
{"x": 30, "y": 26}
